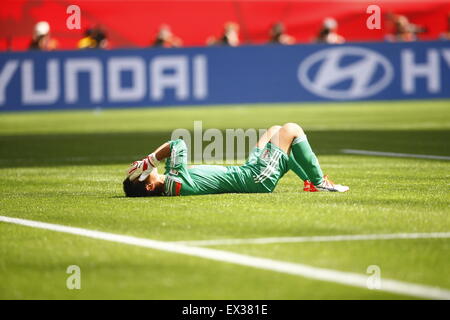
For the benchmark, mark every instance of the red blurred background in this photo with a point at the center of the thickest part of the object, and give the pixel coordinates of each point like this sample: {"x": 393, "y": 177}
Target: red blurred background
{"x": 134, "y": 23}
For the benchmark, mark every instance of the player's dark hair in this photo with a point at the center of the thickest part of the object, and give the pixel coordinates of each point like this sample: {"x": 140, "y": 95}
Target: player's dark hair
{"x": 138, "y": 189}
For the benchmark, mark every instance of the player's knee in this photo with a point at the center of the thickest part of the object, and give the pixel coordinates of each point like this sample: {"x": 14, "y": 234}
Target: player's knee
{"x": 274, "y": 129}
{"x": 293, "y": 129}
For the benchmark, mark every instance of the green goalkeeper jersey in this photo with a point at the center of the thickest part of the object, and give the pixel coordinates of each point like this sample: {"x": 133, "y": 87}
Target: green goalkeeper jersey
{"x": 260, "y": 173}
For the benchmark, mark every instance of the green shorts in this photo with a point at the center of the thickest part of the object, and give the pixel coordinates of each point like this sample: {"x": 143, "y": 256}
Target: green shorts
{"x": 267, "y": 165}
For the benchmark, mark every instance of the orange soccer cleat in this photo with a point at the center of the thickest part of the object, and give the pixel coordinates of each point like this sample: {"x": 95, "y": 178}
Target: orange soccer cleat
{"x": 309, "y": 187}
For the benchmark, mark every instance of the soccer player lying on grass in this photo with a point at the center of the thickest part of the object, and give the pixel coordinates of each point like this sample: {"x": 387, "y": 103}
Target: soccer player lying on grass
{"x": 279, "y": 149}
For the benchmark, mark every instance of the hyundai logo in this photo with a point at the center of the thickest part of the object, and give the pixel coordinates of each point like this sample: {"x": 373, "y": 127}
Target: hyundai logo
{"x": 345, "y": 73}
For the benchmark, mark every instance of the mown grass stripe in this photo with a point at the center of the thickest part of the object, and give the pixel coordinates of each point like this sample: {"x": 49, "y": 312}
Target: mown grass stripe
{"x": 352, "y": 237}
{"x": 345, "y": 278}
{"x": 393, "y": 154}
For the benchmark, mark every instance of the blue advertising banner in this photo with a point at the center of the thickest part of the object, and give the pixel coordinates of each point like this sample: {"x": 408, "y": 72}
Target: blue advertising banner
{"x": 221, "y": 75}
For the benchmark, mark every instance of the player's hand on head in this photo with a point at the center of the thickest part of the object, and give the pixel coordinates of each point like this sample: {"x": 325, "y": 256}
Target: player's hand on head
{"x": 140, "y": 169}
{"x": 147, "y": 168}
{"x": 135, "y": 170}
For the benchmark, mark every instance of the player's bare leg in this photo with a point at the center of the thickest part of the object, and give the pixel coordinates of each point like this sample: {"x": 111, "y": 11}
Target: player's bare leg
{"x": 291, "y": 137}
{"x": 293, "y": 164}
{"x": 265, "y": 138}
{"x": 285, "y": 135}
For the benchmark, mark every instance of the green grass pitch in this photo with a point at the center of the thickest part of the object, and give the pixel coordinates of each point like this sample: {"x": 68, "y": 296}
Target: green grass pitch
{"x": 67, "y": 168}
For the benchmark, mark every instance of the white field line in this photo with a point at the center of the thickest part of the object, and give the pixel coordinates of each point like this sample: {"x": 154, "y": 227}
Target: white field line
{"x": 355, "y": 237}
{"x": 393, "y": 154}
{"x": 345, "y": 278}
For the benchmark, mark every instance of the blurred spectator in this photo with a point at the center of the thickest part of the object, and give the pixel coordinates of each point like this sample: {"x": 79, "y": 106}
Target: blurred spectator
{"x": 230, "y": 36}
{"x": 403, "y": 29}
{"x": 41, "y": 38}
{"x": 166, "y": 39}
{"x": 446, "y": 35}
{"x": 94, "y": 38}
{"x": 87, "y": 42}
{"x": 328, "y": 33}
{"x": 278, "y": 35}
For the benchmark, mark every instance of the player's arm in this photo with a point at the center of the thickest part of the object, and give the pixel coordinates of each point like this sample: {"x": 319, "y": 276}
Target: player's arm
{"x": 178, "y": 156}
{"x": 151, "y": 162}
{"x": 174, "y": 151}
{"x": 162, "y": 152}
